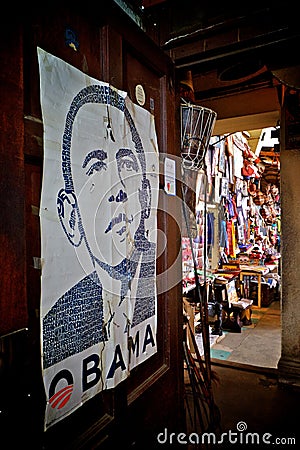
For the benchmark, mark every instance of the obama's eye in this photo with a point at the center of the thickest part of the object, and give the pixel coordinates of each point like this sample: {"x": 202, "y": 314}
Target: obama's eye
{"x": 96, "y": 167}
{"x": 96, "y": 159}
{"x": 128, "y": 164}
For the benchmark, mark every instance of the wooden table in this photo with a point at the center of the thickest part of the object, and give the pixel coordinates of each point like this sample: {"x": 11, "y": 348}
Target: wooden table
{"x": 255, "y": 271}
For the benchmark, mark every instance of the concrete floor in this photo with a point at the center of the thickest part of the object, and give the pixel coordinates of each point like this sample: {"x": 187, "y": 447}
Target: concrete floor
{"x": 252, "y": 405}
{"x": 258, "y": 344}
{"x": 253, "y": 401}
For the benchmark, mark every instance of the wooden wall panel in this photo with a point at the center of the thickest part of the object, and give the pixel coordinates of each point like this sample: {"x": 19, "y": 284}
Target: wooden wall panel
{"x": 13, "y": 306}
{"x": 110, "y": 48}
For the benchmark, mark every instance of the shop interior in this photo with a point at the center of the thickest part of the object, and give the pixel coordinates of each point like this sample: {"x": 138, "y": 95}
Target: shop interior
{"x": 232, "y": 245}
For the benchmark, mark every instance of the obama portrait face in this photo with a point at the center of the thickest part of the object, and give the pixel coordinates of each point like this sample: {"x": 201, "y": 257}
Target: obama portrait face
{"x": 107, "y": 195}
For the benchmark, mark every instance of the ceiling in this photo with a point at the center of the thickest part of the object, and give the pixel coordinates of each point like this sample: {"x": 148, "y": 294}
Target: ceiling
{"x": 238, "y": 56}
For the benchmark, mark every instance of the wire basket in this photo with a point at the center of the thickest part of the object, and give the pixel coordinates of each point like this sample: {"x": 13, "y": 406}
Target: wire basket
{"x": 197, "y": 125}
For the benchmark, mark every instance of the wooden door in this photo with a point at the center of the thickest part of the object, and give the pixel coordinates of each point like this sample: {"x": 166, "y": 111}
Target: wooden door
{"x": 112, "y": 48}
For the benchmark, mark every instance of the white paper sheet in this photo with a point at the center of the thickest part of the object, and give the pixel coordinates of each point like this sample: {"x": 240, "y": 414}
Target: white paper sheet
{"x": 98, "y": 236}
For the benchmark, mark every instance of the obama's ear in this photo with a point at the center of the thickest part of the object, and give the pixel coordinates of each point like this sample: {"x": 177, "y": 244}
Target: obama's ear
{"x": 67, "y": 210}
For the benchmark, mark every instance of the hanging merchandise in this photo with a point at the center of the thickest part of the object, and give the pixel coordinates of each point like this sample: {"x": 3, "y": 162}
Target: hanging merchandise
{"x": 238, "y": 235}
{"x": 251, "y": 205}
{"x": 259, "y": 198}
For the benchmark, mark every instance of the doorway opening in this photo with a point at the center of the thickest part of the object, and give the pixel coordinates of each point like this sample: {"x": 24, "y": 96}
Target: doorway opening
{"x": 238, "y": 217}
